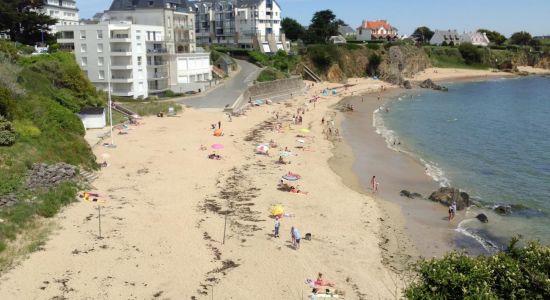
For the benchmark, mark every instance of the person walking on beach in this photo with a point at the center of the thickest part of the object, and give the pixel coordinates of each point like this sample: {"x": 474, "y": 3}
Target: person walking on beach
{"x": 293, "y": 237}
{"x": 450, "y": 213}
{"x": 454, "y": 209}
{"x": 219, "y": 124}
{"x": 373, "y": 181}
{"x": 297, "y": 238}
{"x": 277, "y": 226}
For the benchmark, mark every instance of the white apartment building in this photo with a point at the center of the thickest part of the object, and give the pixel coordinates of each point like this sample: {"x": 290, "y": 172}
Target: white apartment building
{"x": 189, "y": 67}
{"x": 65, "y": 11}
{"x": 131, "y": 57}
{"x": 240, "y": 23}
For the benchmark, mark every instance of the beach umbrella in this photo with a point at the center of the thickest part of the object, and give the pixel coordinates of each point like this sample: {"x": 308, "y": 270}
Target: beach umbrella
{"x": 277, "y": 210}
{"x": 217, "y": 146}
{"x": 305, "y": 130}
{"x": 263, "y": 148}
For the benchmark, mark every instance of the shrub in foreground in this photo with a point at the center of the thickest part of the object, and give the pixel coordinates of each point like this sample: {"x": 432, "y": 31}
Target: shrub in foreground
{"x": 7, "y": 132}
{"x": 517, "y": 273}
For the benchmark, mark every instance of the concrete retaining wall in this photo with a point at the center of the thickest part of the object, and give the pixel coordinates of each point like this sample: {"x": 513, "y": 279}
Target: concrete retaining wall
{"x": 277, "y": 90}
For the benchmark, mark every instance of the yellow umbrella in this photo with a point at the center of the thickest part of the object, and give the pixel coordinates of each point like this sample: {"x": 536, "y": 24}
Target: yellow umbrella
{"x": 304, "y": 130}
{"x": 277, "y": 210}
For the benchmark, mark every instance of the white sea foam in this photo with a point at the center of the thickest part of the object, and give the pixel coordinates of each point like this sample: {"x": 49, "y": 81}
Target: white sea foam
{"x": 393, "y": 142}
{"x": 435, "y": 172}
{"x": 487, "y": 245}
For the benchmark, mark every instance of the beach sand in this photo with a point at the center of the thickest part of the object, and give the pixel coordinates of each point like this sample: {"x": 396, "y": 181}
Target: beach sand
{"x": 163, "y": 212}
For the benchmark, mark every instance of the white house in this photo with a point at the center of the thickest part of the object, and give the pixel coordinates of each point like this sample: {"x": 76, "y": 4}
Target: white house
{"x": 364, "y": 34}
{"x": 93, "y": 117}
{"x": 337, "y": 39}
{"x": 240, "y": 23}
{"x": 65, "y": 11}
{"x": 475, "y": 38}
{"x": 380, "y": 29}
{"x": 130, "y": 57}
{"x": 445, "y": 37}
{"x": 179, "y": 44}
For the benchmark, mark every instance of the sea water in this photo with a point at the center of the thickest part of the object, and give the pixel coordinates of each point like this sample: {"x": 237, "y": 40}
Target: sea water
{"x": 488, "y": 138}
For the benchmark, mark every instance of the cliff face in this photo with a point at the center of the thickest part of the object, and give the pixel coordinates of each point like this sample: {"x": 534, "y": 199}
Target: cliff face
{"x": 403, "y": 61}
{"x": 397, "y": 62}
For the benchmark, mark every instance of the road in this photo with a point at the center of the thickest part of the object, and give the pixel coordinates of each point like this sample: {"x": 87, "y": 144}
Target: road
{"x": 229, "y": 91}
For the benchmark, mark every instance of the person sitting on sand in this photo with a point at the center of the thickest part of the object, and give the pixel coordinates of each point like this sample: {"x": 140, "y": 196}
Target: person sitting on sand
{"x": 293, "y": 175}
{"x": 214, "y": 156}
{"x": 296, "y": 190}
{"x": 282, "y": 161}
{"x": 272, "y": 144}
{"x": 203, "y": 147}
{"x": 321, "y": 282}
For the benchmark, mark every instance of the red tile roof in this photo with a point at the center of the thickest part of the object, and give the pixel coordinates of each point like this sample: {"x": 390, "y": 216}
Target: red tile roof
{"x": 376, "y": 24}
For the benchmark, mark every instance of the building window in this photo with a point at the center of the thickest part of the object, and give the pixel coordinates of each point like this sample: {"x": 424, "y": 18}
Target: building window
{"x": 82, "y": 34}
{"x": 83, "y": 48}
{"x": 99, "y": 34}
{"x": 84, "y": 61}
{"x": 100, "y": 61}
{"x": 100, "y": 48}
{"x": 101, "y": 74}
{"x": 139, "y": 58}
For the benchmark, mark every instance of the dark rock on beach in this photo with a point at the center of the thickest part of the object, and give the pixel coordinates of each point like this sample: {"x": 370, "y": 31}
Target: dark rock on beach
{"x": 503, "y": 210}
{"x": 447, "y": 196}
{"x": 407, "y": 84}
{"x": 411, "y": 195}
{"x": 429, "y": 84}
{"x": 482, "y": 218}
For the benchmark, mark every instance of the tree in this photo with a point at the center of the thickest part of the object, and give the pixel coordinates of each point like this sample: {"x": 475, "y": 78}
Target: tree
{"x": 470, "y": 53}
{"x": 423, "y": 34}
{"x": 293, "y": 30}
{"x": 25, "y": 21}
{"x": 341, "y": 22}
{"x": 323, "y": 26}
{"x": 521, "y": 38}
{"x": 374, "y": 62}
{"x": 494, "y": 36}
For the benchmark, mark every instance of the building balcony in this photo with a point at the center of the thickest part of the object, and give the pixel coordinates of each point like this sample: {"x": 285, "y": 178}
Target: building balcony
{"x": 157, "y": 64}
{"x": 121, "y": 52}
{"x": 122, "y": 92}
{"x": 120, "y": 79}
{"x": 120, "y": 38}
{"x": 158, "y": 76}
{"x": 161, "y": 51}
{"x": 121, "y": 67}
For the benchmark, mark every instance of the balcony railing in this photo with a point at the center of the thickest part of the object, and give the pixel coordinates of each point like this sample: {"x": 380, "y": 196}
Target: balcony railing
{"x": 121, "y": 50}
{"x": 161, "y": 50}
{"x": 120, "y": 36}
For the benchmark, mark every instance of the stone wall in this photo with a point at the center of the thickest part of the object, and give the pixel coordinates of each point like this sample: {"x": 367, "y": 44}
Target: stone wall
{"x": 44, "y": 175}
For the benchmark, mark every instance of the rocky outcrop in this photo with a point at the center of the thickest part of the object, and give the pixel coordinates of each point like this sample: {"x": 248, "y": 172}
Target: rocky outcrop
{"x": 447, "y": 196}
{"x": 44, "y": 175}
{"x": 407, "y": 85}
{"x": 8, "y": 200}
{"x": 401, "y": 62}
{"x": 482, "y": 218}
{"x": 429, "y": 84}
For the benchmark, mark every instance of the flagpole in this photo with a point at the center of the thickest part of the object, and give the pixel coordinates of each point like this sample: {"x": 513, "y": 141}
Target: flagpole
{"x": 110, "y": 102}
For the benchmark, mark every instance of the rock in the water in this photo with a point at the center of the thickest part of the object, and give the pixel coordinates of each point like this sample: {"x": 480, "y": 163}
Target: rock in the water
{"x": 503, "y": 210}
{"x": 447, "y": 196}
{"x": 407, "y": 84}
{"x": 483, "y": 218}
{"x": 429, "y": 84}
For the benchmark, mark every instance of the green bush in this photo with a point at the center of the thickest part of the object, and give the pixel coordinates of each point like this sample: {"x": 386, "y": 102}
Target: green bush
{"x": 517, "y": 273}
{"x": 26, "y": 128}
{"x": 270, "y": 74}
{"x": 373, "y": 46}
{"x": 374, "y": 62}
{"x": 470, "y": 53}
{"x": 51, "y": 202}
{"x": 7, "y": 132}
{"x": 323, "y": 55}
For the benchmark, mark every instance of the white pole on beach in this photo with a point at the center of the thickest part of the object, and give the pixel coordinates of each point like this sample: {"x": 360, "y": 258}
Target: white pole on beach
{"x": 110, "y": 102}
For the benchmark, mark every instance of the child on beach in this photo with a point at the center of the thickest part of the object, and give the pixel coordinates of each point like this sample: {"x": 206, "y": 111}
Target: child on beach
{"x": 277, "y": 226}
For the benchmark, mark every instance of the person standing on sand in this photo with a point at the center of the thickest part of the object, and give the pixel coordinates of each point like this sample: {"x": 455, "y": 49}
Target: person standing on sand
{"x": 293, "y": 237}
{"x": 219, "y": 124}
{"x": 372, "y": 182}
{"x": 450, "y": 213}
{"x": 277, "y": 226}
{"x": 297, "y": 238}
{"x": 454, "y": 209}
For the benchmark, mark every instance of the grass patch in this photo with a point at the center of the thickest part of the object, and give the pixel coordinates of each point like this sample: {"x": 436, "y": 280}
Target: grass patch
{"x": 270, "y": 74}
{"x": 152, "y": 108}
{"x": 118, "y": 117}
{"x": 450, "y": 57}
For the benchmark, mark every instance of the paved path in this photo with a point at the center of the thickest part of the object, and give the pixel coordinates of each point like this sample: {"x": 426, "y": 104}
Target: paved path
{"x": 229, "y": 91}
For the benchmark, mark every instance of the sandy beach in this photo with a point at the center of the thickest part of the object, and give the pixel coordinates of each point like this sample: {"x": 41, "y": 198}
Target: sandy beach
{"x": 163, "y": 207}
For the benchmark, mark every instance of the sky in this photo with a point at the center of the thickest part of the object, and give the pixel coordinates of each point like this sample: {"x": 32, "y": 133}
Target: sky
{"x": 504, "y": 16}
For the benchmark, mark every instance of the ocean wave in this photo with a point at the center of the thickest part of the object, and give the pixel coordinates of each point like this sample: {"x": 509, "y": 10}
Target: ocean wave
{"x": 488, "y": 245}
{"x": 435, "y": 172}
{"x": 389, "y": 135}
